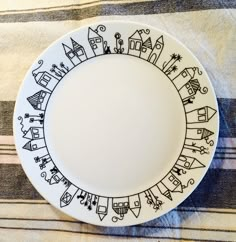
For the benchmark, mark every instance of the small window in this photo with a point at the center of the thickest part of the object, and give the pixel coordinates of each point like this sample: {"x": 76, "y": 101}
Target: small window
{"x": 34, "y": 147}
{"x": 43, "y": 83}
{"x": 126, "y": 204}
{"x": 95, "y": 46}
{"x": 158, "y": 46}
{"x": 131, "y": 44}
{"x": 201, "y": 111}
{"x": 101, "y": 209}
{"x": 186, "y": 164}
{"x": 47, "y": 78}
{"x": 36, "y": 136}
{"x": 144, "y": 50}
{"x": 120, "y": 204}
{"x": 136, "y": 203}
{"x": 138, "y": 46}
{"x": 199, "y": 131}
{"x": 190, "y": 91}
{"x": 184, "y": 74}
{"x": 39, "y": 106}
{"x": 43, "y": 94}
{"x": 171, "y": 178}
{"x": 202, "y": 118}
{"x": 80, "y": 52}
{"x": 71, "y": 54}
{"x": 92, "y": 41}
{"x": 98, "y": 40}
{"x": 175, "y": 182}
{"x": 35, "y": 131}
{"x": 115, "y": 204}
{"x": 187, "y": 85}
{"x": 41, "y": 100}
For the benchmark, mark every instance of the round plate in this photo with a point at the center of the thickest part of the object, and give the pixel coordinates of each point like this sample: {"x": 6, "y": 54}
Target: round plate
{"x": 116, "y": 123}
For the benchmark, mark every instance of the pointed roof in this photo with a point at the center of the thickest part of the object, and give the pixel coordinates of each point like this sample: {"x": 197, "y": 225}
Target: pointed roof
{"x": 54, "y": 179}
{"x": 38, "y": 76}
{"x": 196, "y": 164}
{"x": 136, "y": 211}
{"x": 190, "y": 71}
{"x": 206, "y": 133}
{"x": 167, "y": 194}
{"x": 34, "y": 99}
{"x": 28, "y": 134}
{"x": 92, "y": 34}
{"x": 136, "y": 35}
{"x": 195, "y": 85}
{"x": 66, "y": 48}
{"x": 210, "y": 112}
{"x": 75, "y": 44}
{"x": 179, "y": 188}
{"x": 27, "y": 146}
{"x": 148, "y": 43}
{"x": 160, "y": 39}
{"x": 102, "y": 216}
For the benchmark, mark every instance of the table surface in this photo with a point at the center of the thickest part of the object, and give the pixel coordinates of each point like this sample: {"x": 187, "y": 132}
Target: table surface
{"x": 208, "y": 29}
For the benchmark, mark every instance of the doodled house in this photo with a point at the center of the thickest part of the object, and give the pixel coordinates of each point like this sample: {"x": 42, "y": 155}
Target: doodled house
{"x": 146, "y": 49}
{"x": 46, "y": 80}
{"x": 200, "y": 115}
{"x": 135, "y": 204}
{"x": 39, "y": 100}
{"x": 170, "y": 183}
{"x": 189, "y": 89}
{"x": 76, "y": 54}
{"x": 156, "y": 51}
{"x": 96, "y": 42}
{"x": 188, "y": 162}
{"x": 183, "y": 77}
{"x": 134, "y": 44}
{"x": 102, "y": 207}
{"x": 68, "y": 195}
{"x": 36, "y": 137}
{"x": 198, "y": 133}
{"x": 120, "y": 206}
{"x": 143, "y": 49}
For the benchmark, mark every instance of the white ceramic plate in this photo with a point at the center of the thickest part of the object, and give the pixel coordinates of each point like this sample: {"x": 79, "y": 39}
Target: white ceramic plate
{"x": 116, "y": 123}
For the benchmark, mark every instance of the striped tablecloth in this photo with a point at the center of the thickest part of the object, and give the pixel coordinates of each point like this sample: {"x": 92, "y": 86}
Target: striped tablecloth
{"x": 208, "y": 28}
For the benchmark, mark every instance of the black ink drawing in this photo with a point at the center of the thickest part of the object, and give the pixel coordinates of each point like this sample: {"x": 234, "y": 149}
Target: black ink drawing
{"x": 39, "y": 100}
{"x": 60, "y": 71}
{"x": 152, "y": 198}
{"x": 143, "y": 49}
{"x": 178, "y": 171}
{"x": 44, "y": 79}
{"x": 35, "y": 118}
{"x": 185, "y": 76}
{"x": 76, "y": 54}
{"x": 119, "y": 42}
{"x": 189, "y": 90}
{"x": 98, "y": 45}
{"x": 43, "y": 161}
{"x": 102, "y": 207}
{"x": 200, "y": 115}
{"x": 36, "y": 137}
{"x": 169, "y": 66}
{"x": 122, "y": 205}
{"x": 201, "y": 149}
{"x": 200, "y": 134}
{"x": 188, "y": 162}
{"x": 87, "y": 199}
{"x": 156, "y": 51}
{"x": 170, "y": 183}
{"x": 68, "y": 195}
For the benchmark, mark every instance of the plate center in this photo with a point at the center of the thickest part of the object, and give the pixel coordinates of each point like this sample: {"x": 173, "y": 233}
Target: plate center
{"x": 115, "y": 125}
